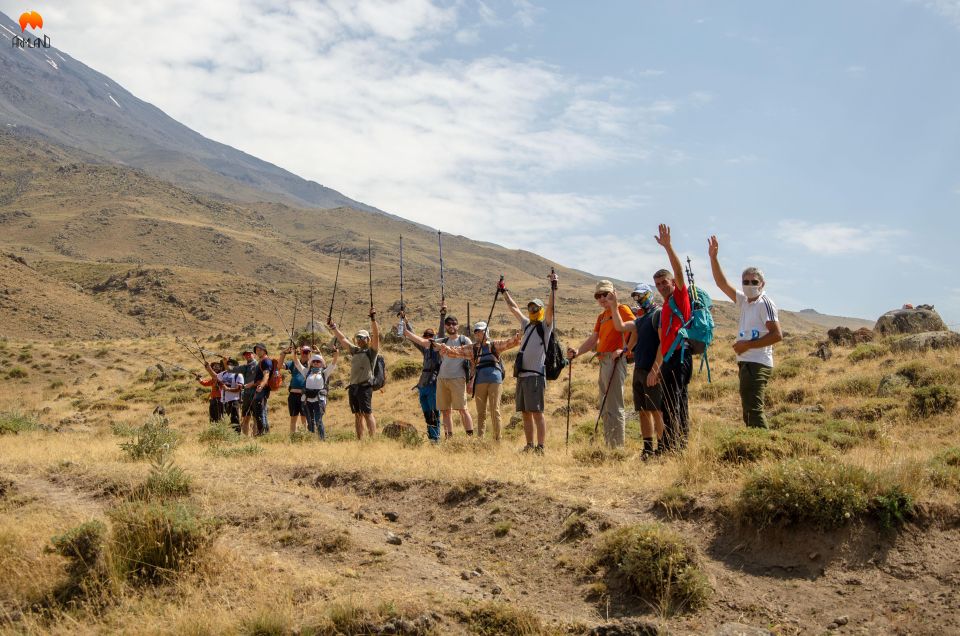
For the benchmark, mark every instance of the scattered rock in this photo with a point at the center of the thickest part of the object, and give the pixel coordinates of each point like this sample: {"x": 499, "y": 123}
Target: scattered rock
{"x": 393, "y": 539}
{"x": 625, "y": 627}
{"x": 398, "y": 429}
{"x": 842, "y": 620}
{"x": 927, "y": 340}
{"x": 905, "y": 321}
{"x": 739, "y": 629}
{"x": 822, "y": 351}
{"x": 391, "y": 516}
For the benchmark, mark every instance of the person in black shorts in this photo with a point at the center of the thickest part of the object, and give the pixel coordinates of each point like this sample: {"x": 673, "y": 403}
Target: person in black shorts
{"x": 647, "y": 397}
{"x": 363, "y": 358}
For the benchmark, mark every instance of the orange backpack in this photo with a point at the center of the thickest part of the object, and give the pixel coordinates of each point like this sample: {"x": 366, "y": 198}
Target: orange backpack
{"x": 276, "y": 378}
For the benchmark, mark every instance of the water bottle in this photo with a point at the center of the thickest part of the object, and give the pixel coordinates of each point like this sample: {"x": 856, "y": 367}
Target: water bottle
{"x": 400, "y": 328}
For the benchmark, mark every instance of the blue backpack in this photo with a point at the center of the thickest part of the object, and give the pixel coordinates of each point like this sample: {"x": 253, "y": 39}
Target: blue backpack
{"x": 698, "y": 331}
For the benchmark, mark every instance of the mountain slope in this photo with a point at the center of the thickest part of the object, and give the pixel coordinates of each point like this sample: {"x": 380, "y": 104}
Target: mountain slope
{"x": 47, "y": 92}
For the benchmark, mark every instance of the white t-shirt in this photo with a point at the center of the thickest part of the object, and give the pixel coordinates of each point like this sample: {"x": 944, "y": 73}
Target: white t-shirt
{"x": 754, "y": 317}
{"x": 229, "y": 378}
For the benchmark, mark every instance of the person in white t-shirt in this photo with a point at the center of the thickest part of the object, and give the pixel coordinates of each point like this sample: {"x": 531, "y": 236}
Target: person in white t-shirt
{"x": 759, "y": 331}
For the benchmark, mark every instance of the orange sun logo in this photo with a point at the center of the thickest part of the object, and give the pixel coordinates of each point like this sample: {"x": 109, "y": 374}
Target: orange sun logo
{"x": 30, "y": 19}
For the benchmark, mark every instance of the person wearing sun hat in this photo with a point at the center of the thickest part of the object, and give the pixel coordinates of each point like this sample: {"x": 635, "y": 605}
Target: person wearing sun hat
{"x": 610, "y": 346}
{"x": 363, "y": 358}
{"x": 647, "y": 399}
{"x": 316, "y": 378}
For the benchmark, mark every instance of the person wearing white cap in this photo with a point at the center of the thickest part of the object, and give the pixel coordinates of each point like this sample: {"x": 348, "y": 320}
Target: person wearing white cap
{"x": 316, "y": 379}
{"x": 759, "y": 331}
{"x": 647, "y": 398}
{"x": 363, "y": 358}
{"x": 610, "y": 346}
{"x": 488, "y": 373}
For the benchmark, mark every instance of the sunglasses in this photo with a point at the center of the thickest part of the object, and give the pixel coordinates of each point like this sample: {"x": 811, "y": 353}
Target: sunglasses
{"x": 451, "y": 323}
{"x": 751, "y": 282}
{"x": 601, "y": 295}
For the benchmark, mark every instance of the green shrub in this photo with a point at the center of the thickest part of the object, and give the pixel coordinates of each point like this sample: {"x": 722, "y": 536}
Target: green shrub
{"x": 844, "y": 435}
{"x": 789, "y": 368}
{"x": 796, "y": 421}
{"x": 154, "y": 440}
{"x": 867, "y": 351}
{"x": 219, "y": 432}
{"x": 945, "y": 469}
{"x": 875, "y": 409}
{"x": 502, "y": 529}
{"x": 933, "y": 400}
{"x": 165, "y": 481}
{"x": 266, "y": 623}
{"x": 861, "y": 386}
{"x": 153, "y": 540}
{"x": 494, "y": 619}
{"x": 17, "y": 373}
{"x": 244, "y": 450}
{"x": 403, "y": 369}
{"x": 824, "y": 494}
{"x": 750, "y": 445}
{"x": 15, "y": 422}
{"x": 657, "y": 564}
{"x": 83, "y": 546}
{"x": 675, "y": 500}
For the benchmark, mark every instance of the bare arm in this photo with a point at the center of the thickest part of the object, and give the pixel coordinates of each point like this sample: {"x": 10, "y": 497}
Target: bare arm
{"x": 412, "y": 337}
{"x": 342, "y": 339}
{"x": 773, "y": 336}
{"x": 587, "y": 345}
{"x": 512, "y": 306}
{"x": 613, "y": 304}
{"x": 665, "y": 241}
{"x": 718, "y": 277}
{"x": 374, "y": 331}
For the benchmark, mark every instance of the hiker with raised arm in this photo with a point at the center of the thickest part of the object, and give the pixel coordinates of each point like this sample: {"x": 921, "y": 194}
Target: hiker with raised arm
{"x": 647, "y": 399}
{"x": 759, "y": 330}
{"x": 295, "y": 402}
{"x": 261, "y": 395}
{"x": 611, "y": 347}
{"x": 427, "y": 383}
{"x": 363, "y": 360}
{"x": 230, "y": 381}
{"x": 316, "y": 379}
{"x": 215, "y": 409}
{"x": 452, "y": 375}
{"x": 488, "y": 373}
{"x": 536, "y": 327}
{"x": 674, "y": 364}
{"x": 248, "y": 370}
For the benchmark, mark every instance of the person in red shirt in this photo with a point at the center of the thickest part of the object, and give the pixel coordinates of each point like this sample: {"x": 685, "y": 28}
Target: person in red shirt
{"x": 674, "y": 365}
{"x": 216, "y": 407}
{"x": 611, "y": 345}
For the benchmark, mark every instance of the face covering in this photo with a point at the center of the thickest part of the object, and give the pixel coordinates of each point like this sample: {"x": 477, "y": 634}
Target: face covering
{"x": 751, "y": 291}
{"x": 646, "y": 302}
{"x": 536, "y": 316}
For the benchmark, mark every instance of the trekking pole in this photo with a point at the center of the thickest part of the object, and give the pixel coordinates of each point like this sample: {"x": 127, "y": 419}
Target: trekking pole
{"x": 693, "y": 285}
{"x": 469, "y": 324}
{"x": 284, "y": 325}
{"x": 335, "y": 279}
{"x": 443, "y": 296}
{"x": 603, "y": 402}
{"x": 293, "y": 327}
{"x": 193, "y": 354}
{"x": 569, "y": 391}
{"x": 203, "y": 358}
{"x": 313, "y": 338}
{"x": 403, "y": 307}
{"x": 370, "y": 269}
{"x": 483, "y": 337}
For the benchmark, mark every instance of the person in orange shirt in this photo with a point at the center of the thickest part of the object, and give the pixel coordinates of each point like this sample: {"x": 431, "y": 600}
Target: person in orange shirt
{"x": 611, "y": 347}
{"x": 216, "y": 407}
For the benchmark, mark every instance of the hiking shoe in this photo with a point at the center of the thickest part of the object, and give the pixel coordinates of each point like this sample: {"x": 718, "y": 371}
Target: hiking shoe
{"x": 527, "y": 449}
{"x": 538, "y": 450}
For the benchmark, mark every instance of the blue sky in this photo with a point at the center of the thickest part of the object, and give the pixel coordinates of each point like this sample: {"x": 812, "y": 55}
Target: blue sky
{"x": 819, "y": 140}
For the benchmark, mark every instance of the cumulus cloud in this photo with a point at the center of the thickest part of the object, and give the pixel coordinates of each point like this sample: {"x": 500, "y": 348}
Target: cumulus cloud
{"x": 833, "y": 239}
{"x": 364, "y": 96}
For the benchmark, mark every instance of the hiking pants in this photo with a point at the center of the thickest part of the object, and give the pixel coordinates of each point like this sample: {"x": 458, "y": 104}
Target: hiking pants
{"x": 488, "y": 397}
{"x": 315, "y": 412}
{"x": 260, "y": 411}
{"x": 232, "y": 409}
{"x": 613, "y": 372}
{"x": 675, "y": 376}
{"x": 753, "y": 386}
{"x": 428, "y": 404}
{"x": 216, "y": 410}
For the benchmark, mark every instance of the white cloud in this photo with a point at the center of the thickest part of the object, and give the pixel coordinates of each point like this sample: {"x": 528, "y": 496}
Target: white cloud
{"x": 949, "y": 9}
{"x": 834, "y": 239}
{"x": 352, "y": 94}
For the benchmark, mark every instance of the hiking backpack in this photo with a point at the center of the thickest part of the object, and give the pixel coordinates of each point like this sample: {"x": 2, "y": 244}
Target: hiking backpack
{"x": 698, "y": 331}
{"x": 555, "y": 361}
{"x": 276, "y": 378}
{"x": 379, "y": 373}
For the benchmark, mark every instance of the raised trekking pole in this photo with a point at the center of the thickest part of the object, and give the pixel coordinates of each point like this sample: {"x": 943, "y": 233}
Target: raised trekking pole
{"x": 469, "y": 323}
{"x": 335, "y": 279}
{"x": 603, "y": 402}
{"x": 203, "y": 358}
{"x": 569, "y": 391}
{"x": 693, "y": 285}
{"x": 443, "y": 295}
{"x": 313, "y": 338}
{"x": 293, "y": 327}
{"x": 403, "y": 307}
{"x": 370, "y": 269}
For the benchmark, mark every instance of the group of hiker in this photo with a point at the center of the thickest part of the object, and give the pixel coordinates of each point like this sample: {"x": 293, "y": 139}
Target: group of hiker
{"x": 660, "y": 340}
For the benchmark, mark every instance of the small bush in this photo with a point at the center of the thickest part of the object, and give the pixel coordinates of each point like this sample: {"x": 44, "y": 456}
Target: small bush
{"x": 502, "y": 529}
{"x": 403, "y": 369}
{"x": 83, "y": 546}
{"x": 245, "y": 450}
{"x": 153, "y": 441}
{"x": 867, "y": 351}
{"x": 864, "y": 387}
{"x": 933, "y": 400}
{"x": 219, "y": 432}
{"x": 165, "y": 481}
{"x": 790, "y": 368}
{"x": 844, "y": 435}
{"x": 657, "y": 564}
{"x": 675, "y": 501}
{"x": 945, "y": 469}
{"x": 266, "y": 623}
{"x": 15, "y": 422}
{"x": 756, "y": 444}
{"x": 153, "y": 540}
{"x": 796, "y": 396}
{"x": 494, "y": 619}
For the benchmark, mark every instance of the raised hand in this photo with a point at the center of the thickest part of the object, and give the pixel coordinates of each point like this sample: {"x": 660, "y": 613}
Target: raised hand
{"x": 713, "y": 246}
{"x": 664, "y": 237}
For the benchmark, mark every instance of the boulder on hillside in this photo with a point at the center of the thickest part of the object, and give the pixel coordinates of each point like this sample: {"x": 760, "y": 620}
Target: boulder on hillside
{"x": 845, "y": 337}
{"x": 917, "y": 320}
{"x": 928, "y": 340}
{"x": 396, "y": 430}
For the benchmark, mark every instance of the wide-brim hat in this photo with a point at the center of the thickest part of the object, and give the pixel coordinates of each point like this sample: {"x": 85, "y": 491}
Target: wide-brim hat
{"x": 604, "y": 287}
